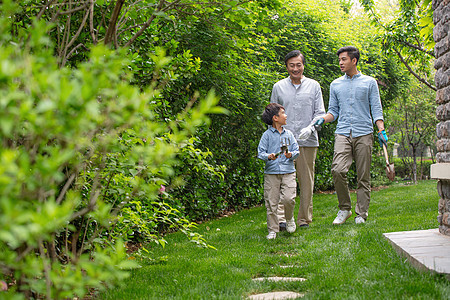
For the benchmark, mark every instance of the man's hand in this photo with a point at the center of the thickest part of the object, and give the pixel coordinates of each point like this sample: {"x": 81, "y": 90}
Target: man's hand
{"x": 382, "y": 138}
{"x": 288, "y": 154}
{"x": 319, "y": 122}
{"x": 305, "y": 133}
{"x": 272, "y": 156}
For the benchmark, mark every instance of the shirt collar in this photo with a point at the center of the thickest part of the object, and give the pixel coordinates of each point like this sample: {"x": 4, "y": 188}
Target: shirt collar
{"x": 273, "y": 129}
{"x": 301, "y": 80}
{"x": 354, "y": 76}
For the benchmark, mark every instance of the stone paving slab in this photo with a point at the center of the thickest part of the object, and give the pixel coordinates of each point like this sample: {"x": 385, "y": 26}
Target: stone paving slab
{"x": 276, "y": 296}
{"x": 425, "y": 249}
{"x": 285, "y": 267}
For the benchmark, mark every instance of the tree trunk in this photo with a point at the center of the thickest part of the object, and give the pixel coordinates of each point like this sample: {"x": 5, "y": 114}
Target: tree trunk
{"x": 421, "y": 166}
{"x": 111, "y": 32}
{"x": 414, "y": 166}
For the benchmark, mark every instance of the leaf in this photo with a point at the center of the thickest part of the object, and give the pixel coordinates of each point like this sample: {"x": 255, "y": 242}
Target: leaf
{"x": 128, "y": 265}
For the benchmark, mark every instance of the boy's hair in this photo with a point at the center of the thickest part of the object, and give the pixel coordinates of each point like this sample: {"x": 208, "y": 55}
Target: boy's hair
{"x": 353, "y": 52}
{"x": 271, "y": 110}
{"x": 294, "y": 53}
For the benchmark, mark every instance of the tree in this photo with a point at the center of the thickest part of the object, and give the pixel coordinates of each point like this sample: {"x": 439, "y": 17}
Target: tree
{"x": 413, "y": 120}
{"x": 409, "y": 36}
{"x": 80, "y": 24}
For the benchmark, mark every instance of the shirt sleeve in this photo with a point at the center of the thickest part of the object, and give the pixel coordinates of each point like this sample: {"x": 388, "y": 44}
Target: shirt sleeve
{"x": 319, "y": 108}
{"x": 293, "y": 147}
{"x": 333, "y": 106}
{"x": 375, "y": 102}
{"x": 263, "y": 147}
{"x": 274, "y": 96}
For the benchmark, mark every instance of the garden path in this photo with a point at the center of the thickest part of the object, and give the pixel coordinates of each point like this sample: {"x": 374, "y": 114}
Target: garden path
{"x": 283, "y": 295}
{"x": 425, "y": 249}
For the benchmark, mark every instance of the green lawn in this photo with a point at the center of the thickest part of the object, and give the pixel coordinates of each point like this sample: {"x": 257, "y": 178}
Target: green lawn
{"x": 339, "y": 262}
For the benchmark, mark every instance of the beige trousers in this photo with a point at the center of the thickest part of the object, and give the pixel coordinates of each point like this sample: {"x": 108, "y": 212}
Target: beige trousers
{"x": 347, "y": 149}
{"x": 279, "y": 188}
{"x": 304, "y": 165}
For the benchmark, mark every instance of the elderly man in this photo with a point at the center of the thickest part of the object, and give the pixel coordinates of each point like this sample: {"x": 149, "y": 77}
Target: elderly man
{"x": 302, "y": 99}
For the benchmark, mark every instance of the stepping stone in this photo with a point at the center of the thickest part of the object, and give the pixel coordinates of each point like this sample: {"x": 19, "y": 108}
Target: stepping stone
{"x": 285, "y": 267}
{"x": 279, "y": 279}
{"x": 276, "y": 296}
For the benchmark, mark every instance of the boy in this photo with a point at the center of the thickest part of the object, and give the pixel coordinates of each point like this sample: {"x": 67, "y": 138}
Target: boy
{"x": 279, "y": 174}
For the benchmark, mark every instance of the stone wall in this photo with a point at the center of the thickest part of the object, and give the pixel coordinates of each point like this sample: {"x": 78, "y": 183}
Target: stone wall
{"x": 441, "y": 170}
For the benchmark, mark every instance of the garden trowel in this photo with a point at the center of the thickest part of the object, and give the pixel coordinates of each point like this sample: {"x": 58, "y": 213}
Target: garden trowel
{"x": 389, "y": 167}
{"x": 284, "y": 146}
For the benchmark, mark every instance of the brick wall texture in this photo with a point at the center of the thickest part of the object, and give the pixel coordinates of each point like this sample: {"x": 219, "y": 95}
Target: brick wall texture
{"x": 441, "y": 34}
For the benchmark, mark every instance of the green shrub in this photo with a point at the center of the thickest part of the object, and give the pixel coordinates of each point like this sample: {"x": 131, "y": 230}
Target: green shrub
{"x": 81, "y": 166}
{"x": 403, "y": 168}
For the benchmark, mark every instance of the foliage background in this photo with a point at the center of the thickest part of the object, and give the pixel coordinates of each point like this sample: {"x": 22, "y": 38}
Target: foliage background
{"x": 152, "y": 161}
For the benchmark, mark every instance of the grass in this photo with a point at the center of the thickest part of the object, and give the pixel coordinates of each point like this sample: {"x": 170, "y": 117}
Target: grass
{"x": 339, "y": 262}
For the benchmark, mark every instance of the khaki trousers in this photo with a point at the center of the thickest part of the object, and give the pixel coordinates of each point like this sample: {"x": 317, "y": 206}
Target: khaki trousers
{"x": 347, "y": 149}
{"x": 304, "y": 165}
{"x": 279, "y": 188}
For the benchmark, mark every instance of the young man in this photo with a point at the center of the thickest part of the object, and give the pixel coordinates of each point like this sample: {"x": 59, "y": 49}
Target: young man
{"x": 279, "y": 174}
{"x": 302, "y": 98}
{"x": 355, "y": 100}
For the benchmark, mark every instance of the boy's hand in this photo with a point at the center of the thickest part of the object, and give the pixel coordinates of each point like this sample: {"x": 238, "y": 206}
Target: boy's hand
{"x": 272, "y": 156}
{"x": 288, "y": 154}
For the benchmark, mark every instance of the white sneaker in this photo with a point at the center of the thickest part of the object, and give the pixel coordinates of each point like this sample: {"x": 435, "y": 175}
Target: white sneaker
{"x": 359, "y": 220}
{"x": 271, "y": 236}
{"x": 342, "y": 216}
{"x": 290, "y": 226}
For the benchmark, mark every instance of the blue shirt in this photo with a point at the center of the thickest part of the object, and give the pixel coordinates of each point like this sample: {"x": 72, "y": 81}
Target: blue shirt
{"x": 303, "y": 105}
{"x": 271, "y": 142}
{"x": 356, "y": 102}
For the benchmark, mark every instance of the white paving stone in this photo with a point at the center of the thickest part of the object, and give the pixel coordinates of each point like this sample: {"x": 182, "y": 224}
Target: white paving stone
{"x": 276, "y": 296}
{"x": 279, "y": 278}
{"x": 425, "y": 249}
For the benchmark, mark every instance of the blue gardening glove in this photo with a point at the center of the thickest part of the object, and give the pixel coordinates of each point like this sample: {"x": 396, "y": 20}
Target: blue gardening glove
{"x": 319, "y": 122}
{"x": 382, "y": 137}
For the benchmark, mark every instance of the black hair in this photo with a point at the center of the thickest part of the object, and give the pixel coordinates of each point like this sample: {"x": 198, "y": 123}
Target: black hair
{"x": 272, "y": 109}
{"x": 294, "y": 53}
{"x": 353, "y": 52}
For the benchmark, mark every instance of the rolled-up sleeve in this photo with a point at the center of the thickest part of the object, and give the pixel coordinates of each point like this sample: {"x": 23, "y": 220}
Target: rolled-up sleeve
{"x": 375, "y": 102}
{"x": 333, "y": 106}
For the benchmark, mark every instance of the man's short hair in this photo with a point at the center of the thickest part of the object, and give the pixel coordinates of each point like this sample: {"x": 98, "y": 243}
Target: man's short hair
{"x": 272, "y": 109}
{"x": 353, "y": 52}
{"x": 294, "y": 53}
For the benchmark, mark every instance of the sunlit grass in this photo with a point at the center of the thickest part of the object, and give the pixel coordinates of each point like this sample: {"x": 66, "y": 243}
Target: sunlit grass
{"x": 339, "y": 262}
